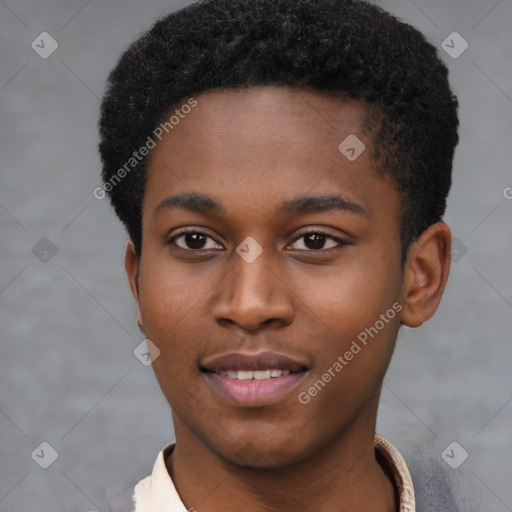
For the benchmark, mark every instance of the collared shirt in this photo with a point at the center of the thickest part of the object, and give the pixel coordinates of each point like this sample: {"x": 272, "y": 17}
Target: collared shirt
{"x": 157, "y": 493}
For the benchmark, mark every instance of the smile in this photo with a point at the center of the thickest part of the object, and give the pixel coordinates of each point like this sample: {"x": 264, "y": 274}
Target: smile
{"x": 253, "y": 379}
{"x": 256, "y": 375}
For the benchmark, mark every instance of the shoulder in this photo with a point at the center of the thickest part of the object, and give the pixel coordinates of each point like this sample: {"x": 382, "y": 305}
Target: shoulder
{"x": 441, "y": 488}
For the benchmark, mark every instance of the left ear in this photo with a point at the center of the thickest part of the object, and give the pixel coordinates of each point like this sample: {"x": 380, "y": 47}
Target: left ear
{"x": 425, "y": 275}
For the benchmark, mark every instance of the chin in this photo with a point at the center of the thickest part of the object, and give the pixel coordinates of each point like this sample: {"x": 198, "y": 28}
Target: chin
{"x": 256, "y": 455}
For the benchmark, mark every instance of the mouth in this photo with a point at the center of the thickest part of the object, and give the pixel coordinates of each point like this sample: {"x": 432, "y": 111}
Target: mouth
{"x": 256, "y": 375}
{"x": 253, "y": 380}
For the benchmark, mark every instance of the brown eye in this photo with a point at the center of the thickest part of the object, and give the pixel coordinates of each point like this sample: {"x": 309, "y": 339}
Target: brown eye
{"x": 315, "y": 241}
{"x": 192, "y": 241}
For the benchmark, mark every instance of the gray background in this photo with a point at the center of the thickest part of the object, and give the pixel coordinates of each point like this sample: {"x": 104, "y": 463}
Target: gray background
{"x": 68, "y": 375}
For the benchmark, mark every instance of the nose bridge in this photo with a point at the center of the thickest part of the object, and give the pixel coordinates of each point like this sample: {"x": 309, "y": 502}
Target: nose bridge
{"x": 254, "y": 280}
{"x": 253, "y": 292}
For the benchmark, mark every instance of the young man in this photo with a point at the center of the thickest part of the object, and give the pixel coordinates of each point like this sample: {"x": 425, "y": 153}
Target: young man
{"x": 282, "y": 168}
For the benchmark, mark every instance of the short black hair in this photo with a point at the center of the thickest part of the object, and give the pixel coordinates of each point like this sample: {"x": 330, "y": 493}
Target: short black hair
{"x": 343, "y": 47}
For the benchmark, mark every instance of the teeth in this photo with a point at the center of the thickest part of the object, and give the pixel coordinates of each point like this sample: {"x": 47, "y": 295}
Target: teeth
{"x": 262, "y": 374}
{"x": 257, "y": 375}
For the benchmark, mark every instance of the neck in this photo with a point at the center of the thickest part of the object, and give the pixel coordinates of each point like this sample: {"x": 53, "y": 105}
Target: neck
{"x": 344, "y": 476}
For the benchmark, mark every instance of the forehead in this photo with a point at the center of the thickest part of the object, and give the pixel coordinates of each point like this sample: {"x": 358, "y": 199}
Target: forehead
{"x": 269, "y": 116}
{"x": 257, "y": 145}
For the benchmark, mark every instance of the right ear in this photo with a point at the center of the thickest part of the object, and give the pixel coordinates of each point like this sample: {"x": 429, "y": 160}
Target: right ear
{"x": 131, "y": 264}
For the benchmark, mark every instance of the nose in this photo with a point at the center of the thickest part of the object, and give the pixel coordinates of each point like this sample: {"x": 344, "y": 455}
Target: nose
{"x": 253, "y": 295}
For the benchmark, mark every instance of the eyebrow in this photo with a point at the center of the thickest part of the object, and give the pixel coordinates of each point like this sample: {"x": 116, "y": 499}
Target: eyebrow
{"x": 204, "y": 204}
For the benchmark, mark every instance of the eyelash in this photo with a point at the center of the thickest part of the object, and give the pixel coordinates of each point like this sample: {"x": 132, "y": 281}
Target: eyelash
{"x": 340, "y": 242}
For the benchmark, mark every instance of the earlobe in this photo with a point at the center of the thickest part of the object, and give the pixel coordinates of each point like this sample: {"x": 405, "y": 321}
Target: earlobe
{"x": 426, "y": 274}
{"x": 131, "y": 264}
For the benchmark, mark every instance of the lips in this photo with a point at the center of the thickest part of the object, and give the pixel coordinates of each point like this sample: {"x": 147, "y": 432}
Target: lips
{"x": 238, "y": 361}
{"x": 253, "y": 380}
{"x": 262, "y": 361}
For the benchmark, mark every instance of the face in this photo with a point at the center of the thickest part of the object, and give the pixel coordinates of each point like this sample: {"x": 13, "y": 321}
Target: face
{"x": 267, "y": 254}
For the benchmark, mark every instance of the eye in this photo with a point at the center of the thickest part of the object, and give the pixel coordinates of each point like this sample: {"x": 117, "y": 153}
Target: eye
{"x": 193, "y": 240}
{"x": 315, "y": 241}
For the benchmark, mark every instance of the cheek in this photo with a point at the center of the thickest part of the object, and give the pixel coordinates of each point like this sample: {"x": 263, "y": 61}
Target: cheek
{"x": 166, "y": 301}
{"x": 174, "y": 304}
{"x": 353, "y": 312}
{"x": 167, "y": 306}
{"x": 351, "y": 297}
{"x": 167, "y": 293}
